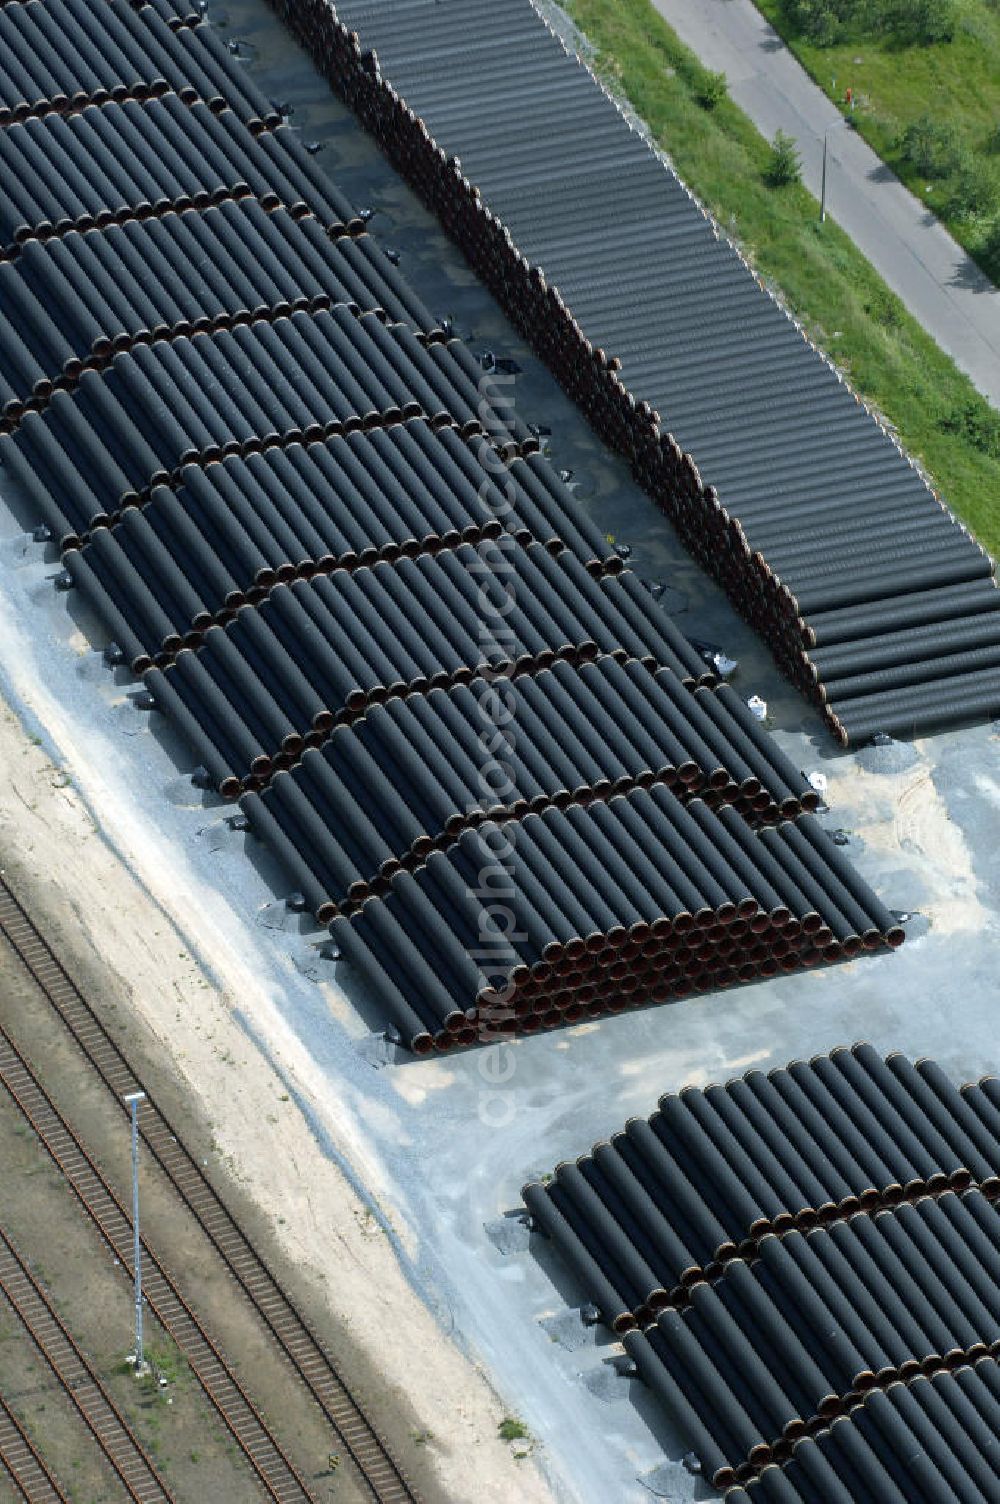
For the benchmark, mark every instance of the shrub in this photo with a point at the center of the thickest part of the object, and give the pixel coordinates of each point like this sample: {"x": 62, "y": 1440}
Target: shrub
{"x": 973, "y": 189}
{"x": 930, "y": 148}
{"x": 977, "y": 422}
{"x": 923, "y": 21}
{"x": 885, "y": 309}
{"x": 989, "y": 249}
{"x": 784, "y": 165}
{"x": 916, "y": 21}
{"x": 710, "y": 89}
{"x": 512, "y": 1429}
{"x": 822, "y": 21}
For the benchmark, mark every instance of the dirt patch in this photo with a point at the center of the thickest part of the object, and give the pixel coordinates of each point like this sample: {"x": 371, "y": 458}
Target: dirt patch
{"x": 903, "y": 814}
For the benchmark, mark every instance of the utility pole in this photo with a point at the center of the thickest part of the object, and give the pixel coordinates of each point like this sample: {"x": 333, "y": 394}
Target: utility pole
{"x": 826, "y": 148}
{"x": 132, "y": 1100}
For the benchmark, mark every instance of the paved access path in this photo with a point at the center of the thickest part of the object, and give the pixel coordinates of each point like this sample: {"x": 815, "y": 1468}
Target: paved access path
{"x": 938, "y": 282}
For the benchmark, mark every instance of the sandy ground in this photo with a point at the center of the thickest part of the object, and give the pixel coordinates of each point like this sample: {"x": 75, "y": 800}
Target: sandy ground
{"x": 149, "y": 925}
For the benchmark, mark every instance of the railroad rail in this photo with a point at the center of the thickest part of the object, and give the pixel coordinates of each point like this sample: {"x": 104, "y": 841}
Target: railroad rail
{"x": 27, "y": 1468}
{"x": 275, "y": 1470}
{"x": 101, "y": 1415}
{"x": 362, "y": 1442}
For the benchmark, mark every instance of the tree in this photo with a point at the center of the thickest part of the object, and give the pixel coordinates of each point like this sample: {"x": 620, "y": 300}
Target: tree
{"x": 784, "y": 165}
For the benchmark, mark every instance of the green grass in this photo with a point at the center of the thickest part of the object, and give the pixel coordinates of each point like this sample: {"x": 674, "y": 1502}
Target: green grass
{"x": 844, "y": 305}
{"x": 512, "y": 1429}
{"x": 954, "y": 83}
{"x": 167, "y": 1362}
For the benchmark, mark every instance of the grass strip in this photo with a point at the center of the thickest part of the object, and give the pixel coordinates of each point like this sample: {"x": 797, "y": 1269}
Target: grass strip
{"x": 821, "y": 276}
{"x": 952, "y": 89}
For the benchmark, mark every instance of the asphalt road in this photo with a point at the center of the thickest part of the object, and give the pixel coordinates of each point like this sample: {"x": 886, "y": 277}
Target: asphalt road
{"x": 938, "y": 282}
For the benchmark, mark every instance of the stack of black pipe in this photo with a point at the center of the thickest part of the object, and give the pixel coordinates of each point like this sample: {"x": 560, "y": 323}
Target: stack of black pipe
{"x": 265, "y": 384}
{"x": 931, "y": 1441}
{"x": 232, "y": 531}
{"x": 536, "y": 308}
{"x": 209, "y": 163}
{"x": 563, "y": 745}
{"x": 791, "y": 1248}
{"x": 336, "y": 557}
{"x": 178, "y": 13}
{"x": 716, "y": 1168}
{"x": 321, "y": 651}
{"x": 59, "y": 57}
{"x": 775, "y": 1349}
{"x": 602, "y": 908}
{"x": 873, "y": 599}
{"x": 109, "y": 289}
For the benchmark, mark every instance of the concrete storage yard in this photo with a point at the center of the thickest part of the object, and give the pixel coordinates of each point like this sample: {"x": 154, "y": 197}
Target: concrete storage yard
{"x": 438, "y": 1150}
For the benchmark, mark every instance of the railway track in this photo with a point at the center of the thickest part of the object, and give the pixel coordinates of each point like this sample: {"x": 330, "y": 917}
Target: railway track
{"x": 274, "y": 1469}
{"x": 34, "y": 1310}
{"x": 375, "y": 1464}
{"x": 25, "y": 1465}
